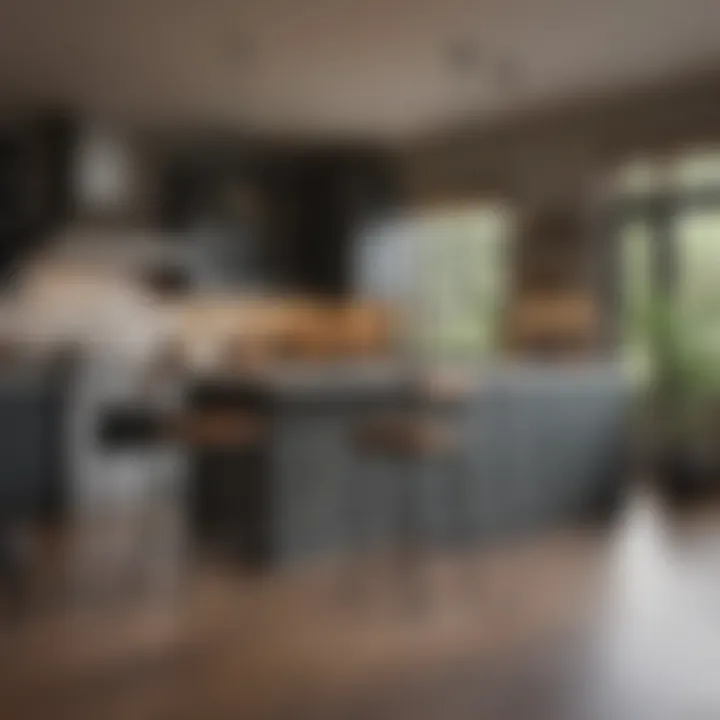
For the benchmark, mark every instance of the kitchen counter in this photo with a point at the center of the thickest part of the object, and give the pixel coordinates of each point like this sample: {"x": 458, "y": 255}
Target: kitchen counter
{"x": 537, "y": 445}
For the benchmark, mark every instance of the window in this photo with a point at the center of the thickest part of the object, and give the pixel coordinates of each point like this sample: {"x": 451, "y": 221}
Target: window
{"x": 697, "y": 231}
{"x": 670, "y": 246}
{"x": 637, "y": 293}
{"x": 445, "y": 270}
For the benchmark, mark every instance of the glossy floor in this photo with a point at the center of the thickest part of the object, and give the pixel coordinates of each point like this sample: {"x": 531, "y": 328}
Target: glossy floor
{"x": 613, "y": 624}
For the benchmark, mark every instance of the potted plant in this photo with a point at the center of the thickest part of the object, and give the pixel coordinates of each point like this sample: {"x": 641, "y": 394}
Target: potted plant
{"x": 684, "y": 398}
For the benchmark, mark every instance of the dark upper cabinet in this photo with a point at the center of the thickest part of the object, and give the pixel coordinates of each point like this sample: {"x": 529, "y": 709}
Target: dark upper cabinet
{"x": 35, "y": 162}
{"x": 281, "y": 219}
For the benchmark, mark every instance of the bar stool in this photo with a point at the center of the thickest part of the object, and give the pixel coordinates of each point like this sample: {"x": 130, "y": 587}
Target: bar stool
{"x": 415, "y": 439}
{"x": 213, "y": 430}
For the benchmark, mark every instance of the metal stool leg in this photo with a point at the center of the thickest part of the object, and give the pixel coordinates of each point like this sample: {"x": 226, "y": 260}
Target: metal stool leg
{"x": 411, "y": 484}
{"x": 13, "y": 578}
{"x": 354, "y": 504}
{"x": 459, "y": 518}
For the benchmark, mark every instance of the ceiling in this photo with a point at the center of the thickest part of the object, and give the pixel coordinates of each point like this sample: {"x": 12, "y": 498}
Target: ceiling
{"x": 380, "y": 69}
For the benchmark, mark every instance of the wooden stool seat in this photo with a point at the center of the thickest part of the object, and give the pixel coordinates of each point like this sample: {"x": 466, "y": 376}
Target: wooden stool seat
{"x": 216, "y": 429}
{"x": 419, "y": 446}
{"x": 220, "y": 429}
{"x": 405, "y": 437}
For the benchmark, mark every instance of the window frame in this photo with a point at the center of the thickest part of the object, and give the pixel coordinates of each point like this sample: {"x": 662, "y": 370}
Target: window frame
{"x": 429, "y": 209}
{"x": 660, "y": 210}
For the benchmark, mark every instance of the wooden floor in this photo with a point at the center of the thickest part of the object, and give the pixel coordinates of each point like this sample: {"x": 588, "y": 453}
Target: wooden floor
{"x": 616, "y": 624}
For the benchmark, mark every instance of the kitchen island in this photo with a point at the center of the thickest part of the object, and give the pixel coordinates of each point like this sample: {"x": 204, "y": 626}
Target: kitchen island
{"x": 536, "y": 446}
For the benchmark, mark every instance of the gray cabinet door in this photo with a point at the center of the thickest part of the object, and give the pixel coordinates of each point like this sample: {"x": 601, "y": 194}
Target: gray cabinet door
{"x": 311, "y": 468}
